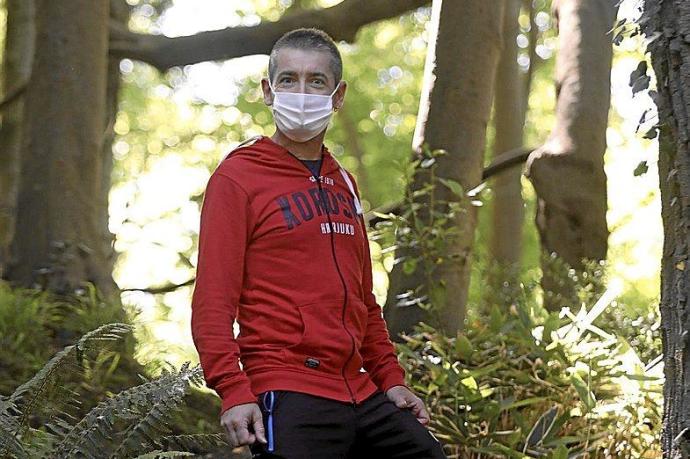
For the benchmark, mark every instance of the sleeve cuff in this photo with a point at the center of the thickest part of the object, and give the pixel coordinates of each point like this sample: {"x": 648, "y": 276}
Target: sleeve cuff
{"x": 235, "y": 395}
{"x": 394, "y": 377}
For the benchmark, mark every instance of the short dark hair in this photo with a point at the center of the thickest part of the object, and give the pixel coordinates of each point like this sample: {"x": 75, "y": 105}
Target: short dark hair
{"x": 308, "y": 39}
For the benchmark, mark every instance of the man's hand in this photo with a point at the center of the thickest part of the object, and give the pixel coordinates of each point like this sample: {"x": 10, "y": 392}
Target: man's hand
{"x": 237, "y": 421}
{"x": 404, "y": 398}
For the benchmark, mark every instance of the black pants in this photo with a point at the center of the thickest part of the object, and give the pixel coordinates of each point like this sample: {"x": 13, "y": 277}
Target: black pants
{"x": 304, "y": 426}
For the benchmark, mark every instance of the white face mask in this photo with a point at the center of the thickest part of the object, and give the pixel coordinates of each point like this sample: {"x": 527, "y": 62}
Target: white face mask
{"x": 301, "y": 116}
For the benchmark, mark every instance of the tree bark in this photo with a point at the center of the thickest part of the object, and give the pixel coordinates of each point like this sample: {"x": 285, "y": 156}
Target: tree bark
{"x": 568, "y": 170}
{"x": 667, "y": 24}
{"x": 17, "y": 58}
{"x": 341, "y": 21}
{"x": 59, "y": 237}
{"x": 508, "y": 212}
{"x": 453, "y": 115}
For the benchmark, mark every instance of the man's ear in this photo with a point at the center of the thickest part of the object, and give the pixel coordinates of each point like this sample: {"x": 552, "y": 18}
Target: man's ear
{"x": 339, "y": 96}
{"x": 266, "y": 89}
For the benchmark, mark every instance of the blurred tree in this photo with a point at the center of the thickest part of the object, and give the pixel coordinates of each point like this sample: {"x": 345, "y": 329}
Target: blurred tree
{"x": 667, "y": 27}
{"x": 59, "y": 240}
{"x": 71, "y": 242}
{"x": 453, "y": 116}
{"x": 16, "y": 69}
{"x": 568, "y": 170}
{"x": 509, "y": 119}
{"x": 341, "y": 21}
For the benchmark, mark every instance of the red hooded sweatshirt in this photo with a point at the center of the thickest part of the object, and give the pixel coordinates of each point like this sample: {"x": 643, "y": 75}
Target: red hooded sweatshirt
{"x": 287, "y": 254}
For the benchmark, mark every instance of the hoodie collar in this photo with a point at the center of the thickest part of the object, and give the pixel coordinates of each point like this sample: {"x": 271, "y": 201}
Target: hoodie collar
{"x": 328, "y": 165}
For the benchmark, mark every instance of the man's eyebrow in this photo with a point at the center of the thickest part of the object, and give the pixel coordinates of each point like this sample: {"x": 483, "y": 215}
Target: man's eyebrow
{"x": 320, "y": 74}
{"x": 294, "y": 73}
{"x": 286, "y": 73}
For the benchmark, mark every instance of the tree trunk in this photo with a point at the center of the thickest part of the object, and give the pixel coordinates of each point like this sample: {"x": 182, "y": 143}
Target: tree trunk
{"x": 668, "y": 25}
{"x": 354, "y": 147}
{"x": 59, "y": 237}
{"x": 16, "y": 69}
{"x": 509, "y": 118}
{"x": 453, "y": 115}
{"x": 568, "y": 170}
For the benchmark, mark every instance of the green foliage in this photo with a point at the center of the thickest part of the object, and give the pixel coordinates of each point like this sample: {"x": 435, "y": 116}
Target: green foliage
{"x": 525, "y": 382}
{"x": 425, "y": 226}
{"x": 132, "y": 422}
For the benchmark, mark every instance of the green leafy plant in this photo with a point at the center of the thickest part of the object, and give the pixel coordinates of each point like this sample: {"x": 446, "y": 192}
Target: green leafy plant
{"x": 524, "y": 382}
{"x": 424, "y": 228}
{"x": 132, "y": 423}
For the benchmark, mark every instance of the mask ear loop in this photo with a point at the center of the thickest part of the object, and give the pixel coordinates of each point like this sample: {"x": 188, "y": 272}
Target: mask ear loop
{"x": 334, "y": 91}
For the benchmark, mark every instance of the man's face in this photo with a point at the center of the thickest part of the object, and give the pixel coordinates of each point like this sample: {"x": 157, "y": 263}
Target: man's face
{"x": 304, "y": 71}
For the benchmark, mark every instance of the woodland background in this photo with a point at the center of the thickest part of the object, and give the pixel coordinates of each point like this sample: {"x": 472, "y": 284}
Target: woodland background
{"x": 509, "y": 154}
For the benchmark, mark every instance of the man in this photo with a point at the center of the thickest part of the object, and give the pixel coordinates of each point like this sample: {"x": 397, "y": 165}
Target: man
{"x": 283, "y": 248}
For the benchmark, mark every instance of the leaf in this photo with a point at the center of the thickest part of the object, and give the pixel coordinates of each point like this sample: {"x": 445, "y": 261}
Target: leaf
{"x": 651, "y": 134}
{"x": 560, "y": 453}
{"x": 643, "y": 118}
{"x": 453, "y": 185}
{"x": 639, "y": 80}
{"x": 470, "y": 383}
{"x": 584, "y": 392}
{"x": 409, "y": 265}
{"x": 428, "y": 162}
{"x": 641, "y": 169}
{"x": 463, "y": 347}
{"x": 541, "y": 428}
{"x": 496, "y": 319}
{"x": 640, "y": 70}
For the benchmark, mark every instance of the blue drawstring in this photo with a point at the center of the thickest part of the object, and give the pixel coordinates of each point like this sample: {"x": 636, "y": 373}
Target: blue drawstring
{"x": 270, "y": 419}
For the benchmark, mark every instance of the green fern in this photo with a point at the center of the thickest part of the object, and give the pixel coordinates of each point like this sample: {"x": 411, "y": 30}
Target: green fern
{"x": 122, "y": 426}
{"x": 43, "y": 393}
{"x": 163, "y": 454}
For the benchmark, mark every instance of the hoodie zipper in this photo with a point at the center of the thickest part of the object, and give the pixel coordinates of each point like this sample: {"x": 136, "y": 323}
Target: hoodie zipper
{"x": 337, "y": 267}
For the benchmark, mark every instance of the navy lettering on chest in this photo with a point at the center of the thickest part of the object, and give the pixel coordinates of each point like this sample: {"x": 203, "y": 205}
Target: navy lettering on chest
{"x": 302, "y": 206}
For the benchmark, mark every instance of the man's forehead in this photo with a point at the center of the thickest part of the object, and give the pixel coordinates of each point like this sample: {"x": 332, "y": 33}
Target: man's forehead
{"x": 293, "y": 60}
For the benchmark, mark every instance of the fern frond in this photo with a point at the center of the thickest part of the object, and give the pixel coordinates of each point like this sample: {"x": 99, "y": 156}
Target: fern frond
{"x": 144, "y": 407}
{"x": 43, "y": 392}
{"x": 158, "y": 454}
{"x": 197, "y": 443}
{"x": 9, "y": 445}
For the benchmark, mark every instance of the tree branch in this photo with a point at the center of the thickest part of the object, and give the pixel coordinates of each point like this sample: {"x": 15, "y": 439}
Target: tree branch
{"x": 162, "y": 289}
{"x": 341, "y": 21}
{"x": 502, "y": 162}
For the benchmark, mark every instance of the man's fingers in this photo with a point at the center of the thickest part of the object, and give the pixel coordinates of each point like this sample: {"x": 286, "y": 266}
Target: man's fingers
{"x": 259, "y": 426}
{"x": 232, "y": 437}
{"x": 420, "y": 412}
{"x": 243, "y": 435}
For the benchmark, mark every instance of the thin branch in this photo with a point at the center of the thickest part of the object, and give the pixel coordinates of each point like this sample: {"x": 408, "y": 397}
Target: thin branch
{"x": 341, "y": 21}
{"x": 162, "y": 289}
{"x": 502, "y": 162}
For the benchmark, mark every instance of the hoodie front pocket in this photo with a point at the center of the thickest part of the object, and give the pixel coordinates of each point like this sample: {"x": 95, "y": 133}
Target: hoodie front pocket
{"x": 324, "y": 345}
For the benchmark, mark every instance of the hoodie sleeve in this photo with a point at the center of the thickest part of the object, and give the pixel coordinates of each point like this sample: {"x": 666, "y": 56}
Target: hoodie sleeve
{"x": 223, "y": 233}
{"x": 377, "y": 350}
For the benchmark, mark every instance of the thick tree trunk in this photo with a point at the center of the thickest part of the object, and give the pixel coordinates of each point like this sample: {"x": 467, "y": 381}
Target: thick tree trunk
{"x": 341, "y": 21}
{"x": 59, "y": 237}
{"x": 509, "y": 118}
{"x": 16, "y": 69}
{"x": 354, "y": 147}
{"x": 668, "y": 24}
{"x": 453, "y": 116}
{"x": 568, "y": 170}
